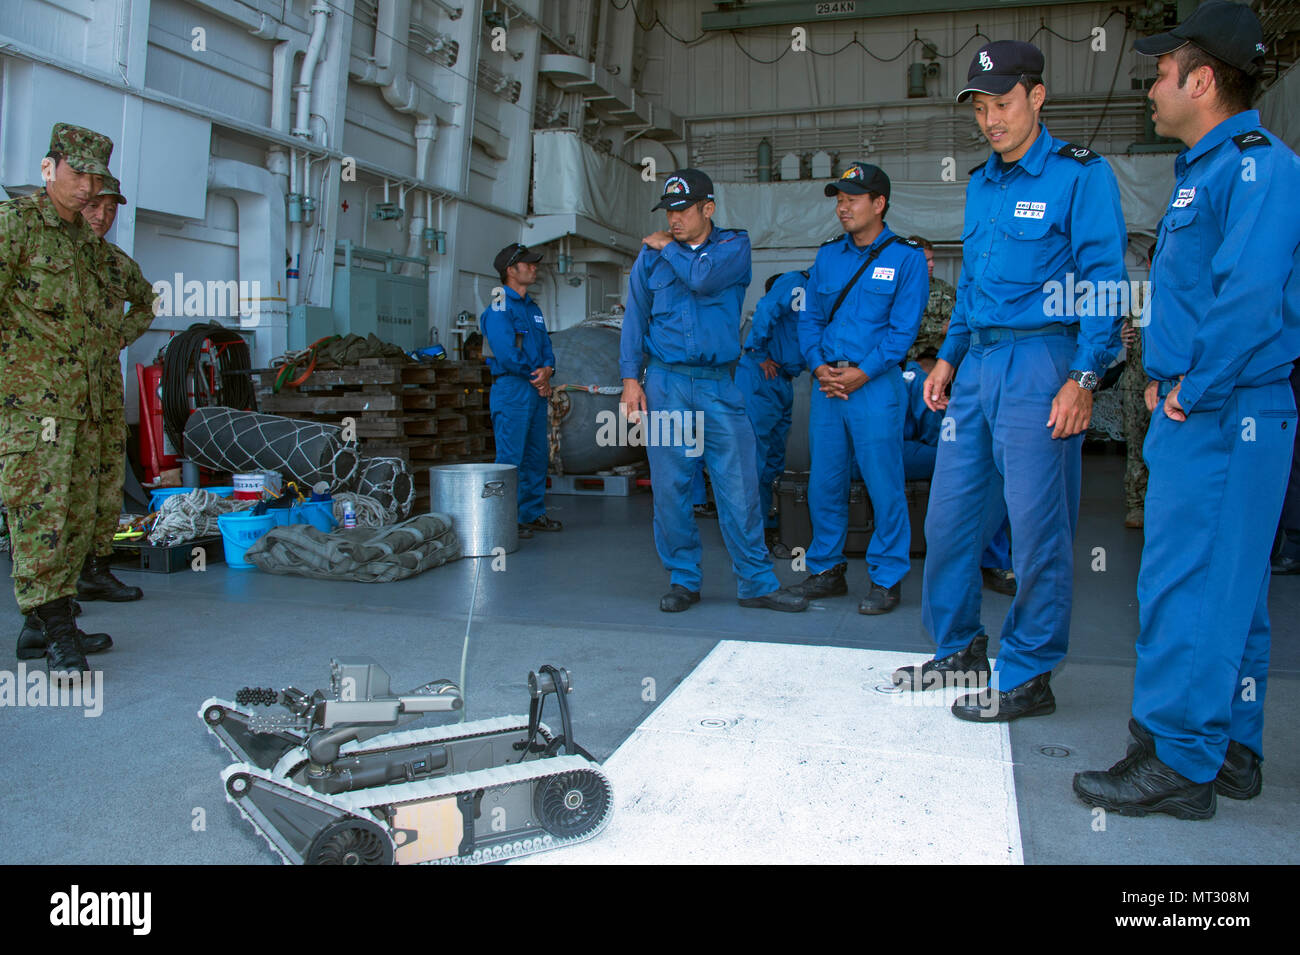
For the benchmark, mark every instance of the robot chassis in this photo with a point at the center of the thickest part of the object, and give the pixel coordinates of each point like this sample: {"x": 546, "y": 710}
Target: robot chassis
{"x": 333, "y": 781}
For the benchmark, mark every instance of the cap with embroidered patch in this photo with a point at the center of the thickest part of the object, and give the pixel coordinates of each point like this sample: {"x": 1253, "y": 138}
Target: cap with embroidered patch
{"x": 112, "y": 187}
{"x": 998, "y": 67}
{"x": 1227, "y": 31}
{"x": 684, "y": 188}
{"x": 84, "y": 149}
{"x": 858, "y": 179}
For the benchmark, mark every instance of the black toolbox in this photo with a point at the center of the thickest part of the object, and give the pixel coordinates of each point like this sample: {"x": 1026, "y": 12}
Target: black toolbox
{"x": 167, "y": 559}
{"x": 795, "y": 523}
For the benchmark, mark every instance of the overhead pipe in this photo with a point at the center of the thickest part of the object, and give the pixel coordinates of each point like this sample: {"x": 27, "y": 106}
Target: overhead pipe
{"x": 320, "y": 21}
{"x": 260, "y": 25}
{"x": 392, "y": 32}
{"x": 260, "y": 203}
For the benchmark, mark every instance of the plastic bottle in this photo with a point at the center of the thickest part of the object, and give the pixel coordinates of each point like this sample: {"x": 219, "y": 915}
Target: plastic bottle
{"x": 349, "y": 515}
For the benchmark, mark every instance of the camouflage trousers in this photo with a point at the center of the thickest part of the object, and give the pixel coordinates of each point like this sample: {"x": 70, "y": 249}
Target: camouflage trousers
{"x": 111, "y": 474}
{"x": 1136, "y": 419}
{"x": 49, "y": 480}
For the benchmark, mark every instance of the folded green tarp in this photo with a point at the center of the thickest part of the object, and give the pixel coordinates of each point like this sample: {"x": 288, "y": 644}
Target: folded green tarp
{"x": 366, "y": 554}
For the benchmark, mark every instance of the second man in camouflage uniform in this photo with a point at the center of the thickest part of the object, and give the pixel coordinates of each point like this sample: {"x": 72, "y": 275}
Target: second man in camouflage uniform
{"x": 123, "y": 282}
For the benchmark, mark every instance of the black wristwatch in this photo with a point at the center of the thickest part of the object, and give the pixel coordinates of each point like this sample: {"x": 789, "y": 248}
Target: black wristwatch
{"x": 1085, "y": 379}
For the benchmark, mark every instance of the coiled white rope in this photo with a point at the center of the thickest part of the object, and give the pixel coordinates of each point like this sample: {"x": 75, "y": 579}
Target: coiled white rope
{"x": 369, "y": 512}
{"x": 184, "y": 517}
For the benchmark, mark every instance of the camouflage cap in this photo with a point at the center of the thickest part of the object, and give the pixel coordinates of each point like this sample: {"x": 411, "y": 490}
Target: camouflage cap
{"x": 113, "y": 188}
{"x": 84, "y": 149}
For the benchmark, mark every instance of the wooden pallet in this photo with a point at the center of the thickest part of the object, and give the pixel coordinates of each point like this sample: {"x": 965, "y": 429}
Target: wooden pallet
{"x": 422, "y": 414}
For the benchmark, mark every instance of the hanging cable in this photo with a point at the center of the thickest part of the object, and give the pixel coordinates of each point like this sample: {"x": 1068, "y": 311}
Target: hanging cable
{"x": 1119, "y": 59}
{"x": 203, "y": 366}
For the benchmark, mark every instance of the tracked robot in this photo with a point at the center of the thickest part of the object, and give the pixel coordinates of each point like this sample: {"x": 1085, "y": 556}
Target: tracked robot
{"x": 331, "y": 779}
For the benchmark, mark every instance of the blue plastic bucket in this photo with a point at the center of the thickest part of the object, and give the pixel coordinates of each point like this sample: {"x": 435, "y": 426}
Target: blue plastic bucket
{"x": 240, "y": 531}
{"x": 157, "y": 497}
{"x": 283, "y": 516}
{"x": 319, "y": 514}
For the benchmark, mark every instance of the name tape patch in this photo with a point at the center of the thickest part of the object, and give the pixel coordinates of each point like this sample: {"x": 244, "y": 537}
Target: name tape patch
{"x": 880, "y": 272}
{"x": 1030, "y": 210}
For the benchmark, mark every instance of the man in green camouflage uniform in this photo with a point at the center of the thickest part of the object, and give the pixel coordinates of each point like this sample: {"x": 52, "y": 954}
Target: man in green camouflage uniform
{"x": 1132, "y": 383}
{"x": 124, "y": 282}
{"x": 934, "y": 321}
{"x": 51, "y": 343}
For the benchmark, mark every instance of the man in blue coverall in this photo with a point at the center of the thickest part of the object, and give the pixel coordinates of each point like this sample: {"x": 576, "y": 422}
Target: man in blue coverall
{"x": 768, "y": 367}
{"x": 1224, "y": 331}
{"x": 866, "y": 293}
{"x": 1039, "y": 214}
{"x": 683, "y": 322}
{"x": 517, "y": 347}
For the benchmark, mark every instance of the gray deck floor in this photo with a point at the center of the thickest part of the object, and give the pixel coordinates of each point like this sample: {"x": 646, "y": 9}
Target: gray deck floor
{"x": 136, "y": 777}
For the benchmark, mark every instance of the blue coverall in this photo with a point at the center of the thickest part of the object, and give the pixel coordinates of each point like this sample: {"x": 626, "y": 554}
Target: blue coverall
{"x": 683, "y": 321}
{"x": 1052, "y": 217}
{"x": 773, "y": 334}
{"x": 1225, "y": 313}
{"x": 518, "y": 411}
{"x": 875, "y": 325}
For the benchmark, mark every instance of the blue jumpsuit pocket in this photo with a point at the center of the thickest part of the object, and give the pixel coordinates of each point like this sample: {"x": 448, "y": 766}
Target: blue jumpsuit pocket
{"x": 1178, "y": 259}
{"x": 1024, "y": 254}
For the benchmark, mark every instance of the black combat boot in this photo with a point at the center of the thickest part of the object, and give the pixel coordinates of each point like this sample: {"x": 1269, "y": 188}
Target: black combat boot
{"x": 1240, "y": 776}
{"x": 62, "y": 654}
{"x": 32, "y": 642}
{"x": 96, "y": 583}
{"x": 829, "y": 583}
{"x": 967, "y": 668}
{"x": 1140, "y": 784}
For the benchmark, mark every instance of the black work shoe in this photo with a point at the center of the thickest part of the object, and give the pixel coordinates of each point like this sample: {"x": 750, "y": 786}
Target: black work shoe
{"x": 32, "y": 642}
{"x": 1240, "y": 777}
{"x": 678, "y": 599}
{"x": 544, "y": 523}
{"x": 62, "y": 654}
{"x": 829, "y": 583}
{"x": 1140, "y": 784}
{"x": 1031, "y": 698}
{"x": 775, "y": 547}
{"x": 97, "y": 583}
{"x": 1285, "y": 565}
{"x": 1000, "y": 580}
{"x": 707, "y": 509}
{"x": 967, "y": 668}
{"x": 784, "y": 600}
{"x": 881, "y": 599}
{"x": 525, "y": 532}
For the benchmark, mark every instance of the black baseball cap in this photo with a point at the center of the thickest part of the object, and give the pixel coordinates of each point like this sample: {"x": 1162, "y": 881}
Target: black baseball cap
{"x": 513, "y": 254}
{"x": 998, "y": 67}
{"x": 684, "y": 188}
{"x": 859, "y": 179}
{"x": 1228, "y": 31}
